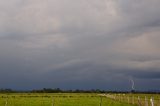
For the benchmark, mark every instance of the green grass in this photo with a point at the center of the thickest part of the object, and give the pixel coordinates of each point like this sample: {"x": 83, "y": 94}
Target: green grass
{"x": 65, "y": 99}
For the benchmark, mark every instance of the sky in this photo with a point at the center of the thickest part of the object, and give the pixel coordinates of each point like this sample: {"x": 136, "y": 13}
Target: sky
{"x": 80, "y": 44}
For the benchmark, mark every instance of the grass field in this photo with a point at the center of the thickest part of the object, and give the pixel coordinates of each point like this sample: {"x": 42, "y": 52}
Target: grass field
{"x": 66, "y": 99}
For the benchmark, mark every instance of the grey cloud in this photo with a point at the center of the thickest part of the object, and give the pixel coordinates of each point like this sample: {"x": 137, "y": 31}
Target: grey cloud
{"x": 85, "y": 43}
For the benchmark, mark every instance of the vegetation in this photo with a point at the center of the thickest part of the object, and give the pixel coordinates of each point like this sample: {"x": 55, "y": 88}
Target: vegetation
{"x": 58, "y": 97}
{"x": 55, "y": 90}
{"x": 58, "y": 90}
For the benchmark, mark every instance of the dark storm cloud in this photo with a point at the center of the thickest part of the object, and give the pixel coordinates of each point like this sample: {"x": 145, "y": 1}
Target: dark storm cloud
{"x": 79, "y": 43}
{"x": 148, "y": 75}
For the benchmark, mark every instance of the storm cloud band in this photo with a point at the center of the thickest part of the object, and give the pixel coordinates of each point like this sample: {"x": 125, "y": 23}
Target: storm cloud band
{"x": 79, "y": 44}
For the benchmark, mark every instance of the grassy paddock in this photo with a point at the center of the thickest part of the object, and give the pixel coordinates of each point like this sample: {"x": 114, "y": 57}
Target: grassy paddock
{"x": 67, "y": 99}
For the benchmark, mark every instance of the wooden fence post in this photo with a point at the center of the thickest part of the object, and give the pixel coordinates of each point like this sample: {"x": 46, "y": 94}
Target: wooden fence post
{"x": 152, "y": 101}
{"x": 146, "y": 101}
{"x": 139, "y": 101}
{"x": 128, "y": 100}
{"x": 6, "y": 103}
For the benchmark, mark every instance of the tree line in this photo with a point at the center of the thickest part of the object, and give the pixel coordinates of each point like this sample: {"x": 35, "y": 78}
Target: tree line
{"x": 58, "y": 90}
{"x": 52, "y": 90}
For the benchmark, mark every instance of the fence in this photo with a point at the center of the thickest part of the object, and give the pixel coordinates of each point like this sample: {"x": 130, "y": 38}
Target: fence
{"x": 134, "y": 100}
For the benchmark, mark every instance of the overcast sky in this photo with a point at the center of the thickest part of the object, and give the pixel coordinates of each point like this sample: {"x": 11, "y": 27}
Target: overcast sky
{"x": 80, "y": 44}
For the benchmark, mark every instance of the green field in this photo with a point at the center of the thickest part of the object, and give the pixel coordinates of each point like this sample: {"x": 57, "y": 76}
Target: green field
{"x": 71, "y": 99}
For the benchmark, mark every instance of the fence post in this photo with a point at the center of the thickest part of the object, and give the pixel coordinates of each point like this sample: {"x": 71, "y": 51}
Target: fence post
{"x": 6, "y": 103}
{"x": 146, "y": 101}
{"x": 139, "y": 101}
{"x": 128, "y": 100}
{"x": 152, "y": 101}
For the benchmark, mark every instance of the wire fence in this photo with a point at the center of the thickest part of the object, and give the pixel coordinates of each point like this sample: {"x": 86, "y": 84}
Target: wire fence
{"x": 134, "y": 100}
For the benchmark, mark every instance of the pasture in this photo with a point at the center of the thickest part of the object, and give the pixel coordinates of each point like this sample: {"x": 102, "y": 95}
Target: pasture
{"x": 75, "y": 99}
